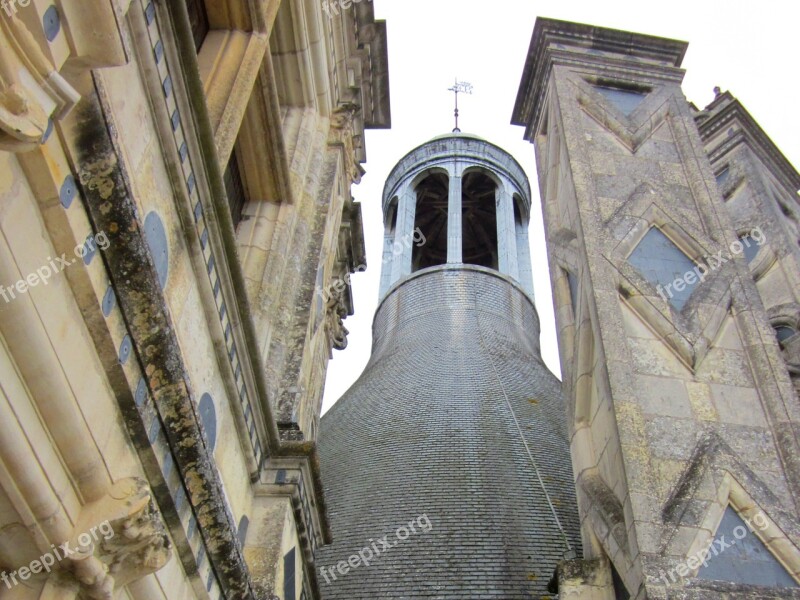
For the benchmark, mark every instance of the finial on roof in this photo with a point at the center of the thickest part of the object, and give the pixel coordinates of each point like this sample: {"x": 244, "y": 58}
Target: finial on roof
{"x": 717, "y": 92}
{"x": 464, "y": 88}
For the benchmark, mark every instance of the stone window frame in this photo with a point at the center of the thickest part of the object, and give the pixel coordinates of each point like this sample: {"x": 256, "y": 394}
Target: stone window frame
{"x": 234, "y": 64}
{"x": 763, "y": 260}
{"x": 731, "y": 493}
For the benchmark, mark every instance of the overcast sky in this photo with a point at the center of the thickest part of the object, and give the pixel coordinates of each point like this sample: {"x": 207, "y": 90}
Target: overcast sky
{"x": 749, "y": 49}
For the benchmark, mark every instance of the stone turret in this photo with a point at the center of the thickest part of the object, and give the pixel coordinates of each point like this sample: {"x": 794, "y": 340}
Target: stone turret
{"x": 447, "y": 464}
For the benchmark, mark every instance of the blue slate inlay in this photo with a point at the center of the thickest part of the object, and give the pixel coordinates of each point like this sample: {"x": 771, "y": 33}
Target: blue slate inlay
{"x": 192, "y": 527}
{"x": 155, "y": 426}
{"x": 280, "y": 476}
{"x": 89, "y": 249}
{"x": 175, "y": 119}
{"x": 190, "y": 183}
{"x": 238, "y": 371}
{"x": 125, "y": 349}
{"x": 783, "y": 333}
{"x": 168, "y": 463}
{"x": 198, "y": 211}
{"x": 183, "y": 151}
{"x": 750, "y": 247}
{"x": 109, "y": 300}
{"x": 222, "y": 311}
{"x": 201, "y": 555}
{"x": 51, "y": 23}
{"x": 150, "y": 13}
{"x": 158, "y": 51}
{"x": 209, "y": 581}
{"x": 723, "y": 176}
{"x": 210, "y": 264}
{"x": 156, "y": 237}
{"x": 661, "y": 262}
{"x": 228, "y": 331}
{"x": 230, "y": 352}
{"x": 68, "y": 191}
{"x": 180, "y": 499}
{"x": 208, "y": 416}
{"x": 626, "y": 101}
{"x": 167, "y": 86}
{"x": 141, "y": 392}
{"x": 204, "y": 239}
{"x": 48, "y": 131}
{"x": 741, "y": 557}
{"x": 241, "y": 533}
{"x": 216, "y": 287}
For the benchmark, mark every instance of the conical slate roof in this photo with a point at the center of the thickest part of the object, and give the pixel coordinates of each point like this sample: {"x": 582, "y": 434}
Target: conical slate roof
{"x": 425, "y": 440}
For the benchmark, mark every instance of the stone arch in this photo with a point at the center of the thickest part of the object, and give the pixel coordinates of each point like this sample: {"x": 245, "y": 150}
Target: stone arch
{"x": 479, "y": 216}
{"x": 390, "y": 217}
{"x": 431, "y": 189}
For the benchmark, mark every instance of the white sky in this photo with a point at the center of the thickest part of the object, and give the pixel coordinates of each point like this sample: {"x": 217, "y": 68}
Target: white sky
{"x": 750, "y": 50}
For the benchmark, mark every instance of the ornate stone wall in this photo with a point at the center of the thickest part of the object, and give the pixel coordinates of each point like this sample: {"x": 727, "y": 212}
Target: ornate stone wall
{"x": 152, "y": 329}
{"x": 681, "y": 406}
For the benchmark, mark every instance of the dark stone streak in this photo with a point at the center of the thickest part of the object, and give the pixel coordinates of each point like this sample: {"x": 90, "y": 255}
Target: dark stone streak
{"x": 135, "y": 281}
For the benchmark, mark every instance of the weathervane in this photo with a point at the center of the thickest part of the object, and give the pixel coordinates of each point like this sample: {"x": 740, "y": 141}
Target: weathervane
{"x": 464, "y": 88}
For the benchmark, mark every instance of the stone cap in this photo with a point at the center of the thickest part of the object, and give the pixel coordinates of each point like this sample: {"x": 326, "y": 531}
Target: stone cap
{"x": 465, "y": 147}
{"x": 726, "y": 112}
{"x": 552, "y": 37}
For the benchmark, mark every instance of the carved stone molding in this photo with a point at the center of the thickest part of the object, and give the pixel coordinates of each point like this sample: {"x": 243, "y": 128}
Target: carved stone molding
{"x": 117, "y": 540}
{"x": 342, "y": 133}
{"x": 336, "y": 312}
{"x": 31, "y": 90}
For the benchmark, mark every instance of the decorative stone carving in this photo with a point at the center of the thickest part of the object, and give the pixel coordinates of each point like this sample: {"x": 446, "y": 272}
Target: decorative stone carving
{"x": 131, "y": 544}
{"x": 336, "y": 312}
{"x": 31, "y": 90}
{"x": 342, "y": 134}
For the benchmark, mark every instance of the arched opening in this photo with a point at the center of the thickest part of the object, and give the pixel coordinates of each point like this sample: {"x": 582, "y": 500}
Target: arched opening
{"x": 391, "y": 216}
{"x": 479, "y": 220}
{"x": 518, "y": 222}
{"x": 431, "y": 219}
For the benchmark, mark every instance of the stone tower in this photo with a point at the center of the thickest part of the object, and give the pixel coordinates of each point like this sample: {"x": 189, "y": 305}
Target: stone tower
{"x": 677, "y": 309}
{"x": 446, "y": 465}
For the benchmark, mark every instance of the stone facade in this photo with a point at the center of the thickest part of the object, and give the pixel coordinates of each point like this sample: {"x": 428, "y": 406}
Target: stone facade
{"x": 668, "y": 288}
{"x": 174, "y": 189}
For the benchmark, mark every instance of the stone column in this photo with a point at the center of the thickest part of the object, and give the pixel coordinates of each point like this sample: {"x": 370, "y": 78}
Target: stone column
{"x": 524, "y": 255}
{"x": 387, "y": 262}
{"x": 403, "y": 231}
{"x": 454, "y": 232}
{"x": 506, "y": 232}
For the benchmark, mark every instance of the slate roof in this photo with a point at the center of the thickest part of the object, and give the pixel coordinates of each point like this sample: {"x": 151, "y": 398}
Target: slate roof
{"x": 426, "y": 431}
